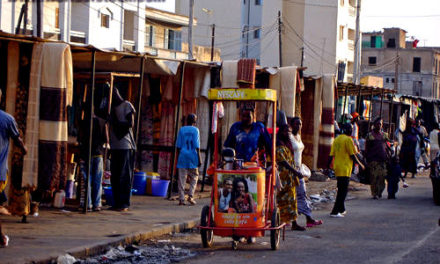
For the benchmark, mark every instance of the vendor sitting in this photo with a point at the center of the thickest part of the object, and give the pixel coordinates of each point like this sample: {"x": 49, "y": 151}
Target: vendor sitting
{"x": 247, "y": 136}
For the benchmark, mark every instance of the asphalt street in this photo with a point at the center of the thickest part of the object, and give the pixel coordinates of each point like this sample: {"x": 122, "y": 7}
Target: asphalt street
{"x": 400, "y": 231}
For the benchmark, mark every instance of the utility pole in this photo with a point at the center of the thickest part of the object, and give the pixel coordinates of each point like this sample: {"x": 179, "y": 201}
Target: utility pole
{"x": 212, "y": 42}
{"x": 39, "y": 19}
{"x": 248, "y": 27}
{"x": 190, "y": 29}
{"x": 26, "y": 4}
{"x": 357, "y": 46}
{"x": 302, "y": 56}
{"x": 280, "y": 46}
{"x": 396, "y": 71}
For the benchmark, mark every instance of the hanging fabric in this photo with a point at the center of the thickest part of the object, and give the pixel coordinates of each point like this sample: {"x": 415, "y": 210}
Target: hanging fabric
{"x": 246, "y": 71}
{"x": 327, "y": 129}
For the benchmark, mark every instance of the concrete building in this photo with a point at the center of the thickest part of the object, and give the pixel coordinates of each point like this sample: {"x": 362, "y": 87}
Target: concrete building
{"x": 418, "y": 67}
{"x": 119, "y": 25}
{"x": 321, "y": 33}
{"x": 238, "y": 26}
{"x": 325, "y": 29}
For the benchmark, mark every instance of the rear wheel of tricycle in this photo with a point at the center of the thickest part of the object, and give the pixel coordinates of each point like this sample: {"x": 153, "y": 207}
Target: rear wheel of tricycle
{"x": 206, "y": 234}
{"x": 276, "y": 233}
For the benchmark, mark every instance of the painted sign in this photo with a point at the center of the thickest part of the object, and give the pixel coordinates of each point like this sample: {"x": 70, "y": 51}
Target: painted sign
{"x": 227, "y": 94}
{"x": 240, "y": 197}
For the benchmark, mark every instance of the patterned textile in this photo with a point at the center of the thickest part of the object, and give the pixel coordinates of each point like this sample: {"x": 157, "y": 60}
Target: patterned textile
{"x": 30, "y": 166}
{"x": 286, "y": 197}
{"x": 166, "y": 138}
{"x": 55, "y": 96}
{"x": 378, "y": 173}
{"x": 19, "y": 198}
{"x": 288, "y": 90}
{"x": 246, "y": 71}
{"x": 146, "y": 135}
{"x": 229, "y": 74}
{"x": 203, "y": 123}
{"x": 327, "y": 129}
{"x": 311, "y": 117}
{"x": 302, "y": 201}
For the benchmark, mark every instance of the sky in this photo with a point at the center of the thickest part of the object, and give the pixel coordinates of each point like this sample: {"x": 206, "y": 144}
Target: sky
{"x": 420, "y": 18}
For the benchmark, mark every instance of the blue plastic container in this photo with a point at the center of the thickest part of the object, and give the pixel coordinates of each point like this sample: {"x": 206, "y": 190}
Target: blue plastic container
{"x": 140, "y": 183}
{"x": 108, "y": 193}
{"x": 159, "y": 187}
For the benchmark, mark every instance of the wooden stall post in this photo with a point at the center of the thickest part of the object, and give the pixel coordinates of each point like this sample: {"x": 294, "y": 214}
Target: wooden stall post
{"x": 381, "y": 104}
{"x": 345, "y": 103}
{"x": 92, "y": 112}
{"x": 208, "y": 149}
{"x": 176, "y": 128}
{"x": 138, "y": 118}
{"x": 369, "y": 114}
{"x": 358, "y": 108}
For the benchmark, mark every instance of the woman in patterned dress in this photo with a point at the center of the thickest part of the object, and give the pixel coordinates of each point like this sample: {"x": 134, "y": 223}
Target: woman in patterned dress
{"x": 289, "y": 178}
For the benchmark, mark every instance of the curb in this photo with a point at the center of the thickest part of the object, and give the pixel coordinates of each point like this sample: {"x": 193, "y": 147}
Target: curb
{"x": 101, "y": 247}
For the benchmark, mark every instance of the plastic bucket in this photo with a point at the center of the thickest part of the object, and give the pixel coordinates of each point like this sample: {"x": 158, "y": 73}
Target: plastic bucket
{"x": 108, "y": 193}
{"x": 159, "y": 187}
{"x": 150, "y": 177}
{"x": 140, "y": 183}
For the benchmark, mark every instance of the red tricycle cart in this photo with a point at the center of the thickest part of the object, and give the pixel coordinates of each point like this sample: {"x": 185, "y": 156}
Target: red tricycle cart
{"x": 257, "y": 185}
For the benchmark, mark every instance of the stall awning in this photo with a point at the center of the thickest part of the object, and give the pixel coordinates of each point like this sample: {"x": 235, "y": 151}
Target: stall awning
{"x": 354, "y": 90}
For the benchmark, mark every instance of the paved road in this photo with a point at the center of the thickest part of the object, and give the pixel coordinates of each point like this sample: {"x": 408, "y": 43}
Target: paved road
{"x": 374, "y": 231}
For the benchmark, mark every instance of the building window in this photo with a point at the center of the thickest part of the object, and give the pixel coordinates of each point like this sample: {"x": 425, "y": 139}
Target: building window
{"x": 392, "y": 80}
{"x": 373, "y": 42}
{"x": 105, "y": 20}
{"x": 371, "y": 60}
{"x": 174, "y": 40}
{"x": 417, "y": 61}
{"x": 417, "y": 88}
{"x": 391, "y": 43}
{"x": 258, "y": 2}
{"x": 341, "y": 33}
{"x": 57, "y": 18}
{"x": 387, "y": 80}
{"x": 257, "y": 33}
{"x": 149, "y": 35}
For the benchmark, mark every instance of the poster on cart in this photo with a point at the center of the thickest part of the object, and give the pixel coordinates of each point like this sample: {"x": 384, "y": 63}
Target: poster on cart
{"x": 240, "y": 196}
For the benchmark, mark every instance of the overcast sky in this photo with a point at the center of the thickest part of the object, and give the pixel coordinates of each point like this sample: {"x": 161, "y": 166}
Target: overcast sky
{"x": 421, "y": 18}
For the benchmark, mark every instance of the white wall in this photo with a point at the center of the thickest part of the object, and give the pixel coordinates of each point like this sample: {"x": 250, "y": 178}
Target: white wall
{"x": 269, "y": 55}
{"x": 320, "y": 34}
{"x": 7, "y": 16}
{"x": 165, "y": 5}
{"x": 102, "y": 37}
{"x": 226, "y": 15}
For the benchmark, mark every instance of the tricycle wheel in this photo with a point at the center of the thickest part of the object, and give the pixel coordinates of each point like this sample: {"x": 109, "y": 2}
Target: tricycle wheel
{"x": 206, "y": 234}
{"x": 275, "y": 234}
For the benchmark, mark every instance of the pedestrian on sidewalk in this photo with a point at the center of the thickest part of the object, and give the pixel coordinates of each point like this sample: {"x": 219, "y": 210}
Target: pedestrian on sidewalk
{"x": 122, "y": 146}
{"x": 410, "y": 142}
{"x": 99, "y": 138}
{"x": 378, "y": 157}
{"x": 289, "y": 178}
{"x": 344, "y": 153}
{"x": 423, "y": 135}
{"x": 188, "y": 161}
{"x": 301, "y": 195}
{"x": 8, "y": 129}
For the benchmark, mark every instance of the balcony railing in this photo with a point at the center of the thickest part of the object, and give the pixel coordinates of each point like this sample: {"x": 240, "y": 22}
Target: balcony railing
{"x": 128, "y": 45}
{"x": 351, "y": 44}
{"x": 352, "y": 11}
{"x": 77, "y": 37}
{"x": 166, "y": 53}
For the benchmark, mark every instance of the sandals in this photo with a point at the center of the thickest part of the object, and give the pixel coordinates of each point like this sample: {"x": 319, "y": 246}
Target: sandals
{"x": 314, "y": 223}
